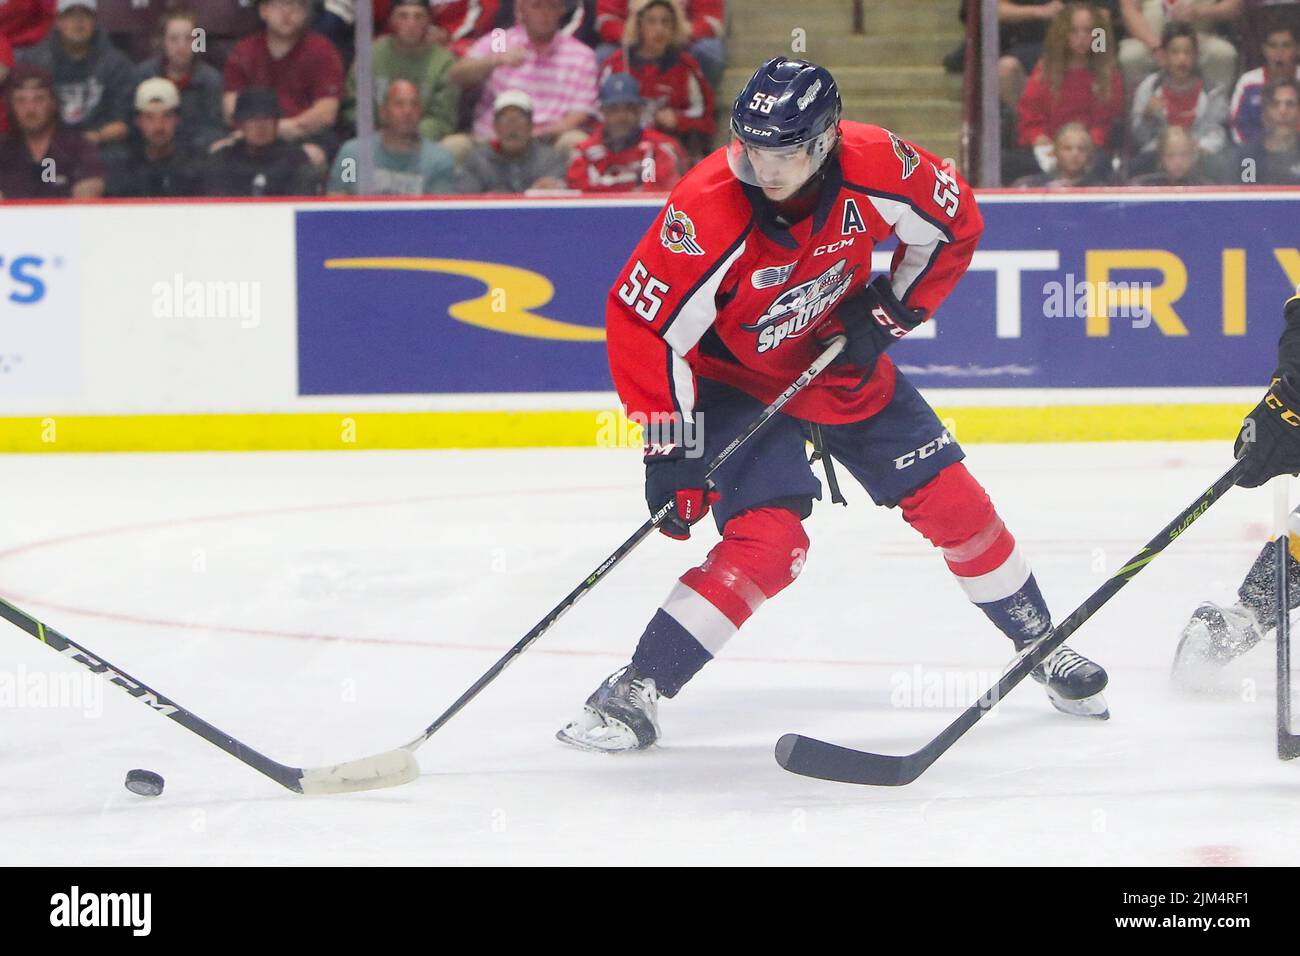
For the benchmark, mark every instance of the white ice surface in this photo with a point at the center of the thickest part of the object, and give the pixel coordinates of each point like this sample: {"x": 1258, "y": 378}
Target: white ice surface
{"x": 322, "y": 607}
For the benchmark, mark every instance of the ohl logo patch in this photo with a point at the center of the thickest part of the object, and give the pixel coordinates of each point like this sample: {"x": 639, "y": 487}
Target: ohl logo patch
{"x": 678, "y": 233}
{"x": 795, "y": 311}
{"x": 907, "y": 155}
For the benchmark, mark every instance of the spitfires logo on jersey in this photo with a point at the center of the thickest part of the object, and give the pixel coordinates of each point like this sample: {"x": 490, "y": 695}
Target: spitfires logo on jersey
{"x": 907, "y": 155}
{"x": 678, "y": 233}
{"x": 796, "y": 310}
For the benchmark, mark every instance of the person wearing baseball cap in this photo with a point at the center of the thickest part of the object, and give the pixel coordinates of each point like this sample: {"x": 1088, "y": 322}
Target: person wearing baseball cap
{"x": 303, "y": 68}
{"x": 40, "y": 158}
{"x": 155, "y": 162}
{"x": 256, "y": 161}
{"x": 624, "y": 154}
{"x": 199, "y": 83}
{"x": 516, "y": 161}
{"x": 94, "y": 81}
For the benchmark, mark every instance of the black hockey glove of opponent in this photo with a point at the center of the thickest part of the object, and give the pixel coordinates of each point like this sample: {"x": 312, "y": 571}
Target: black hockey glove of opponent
{"x": 1270, "y": 436}
{"x": 673, "y": 476}
{"x": 873, "y": 321}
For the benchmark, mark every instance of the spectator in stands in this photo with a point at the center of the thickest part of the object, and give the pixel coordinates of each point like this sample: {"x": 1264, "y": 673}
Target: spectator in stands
{"x": 1146, "y": 21}
{"x": 301, "y": 66}
{"x": 1280, "y": 62}
{"x": 707, "y": 24}
{"x": 40, "y": 158}
{"x": 337, "y": 22}
{"x": 93, "y": 80}
{"x": 458, "y": 23}
{"x": 680, "y": 99}
{"x": 405, "y": 163}
{"x": 1273, "y": 158}
{"x": 198, "y": 83}
{"x": 156, "y": 160}
{"x": 410, "y": 53}
{"x": 517, "y": 161}
{"x": 1178, "y": 160}
{"x": 25, "y": 23}
{"x": 1076, "y": 81}
{"x": 623, "y": 155}
{"x": 6, "y": 64}
{"x": 258, "y": 161}
{"x": 1075, "y": 165}
{"x": 1022, "y": 25}
{"x": 556, "y": 71}
{"x": 1178, "y": 96}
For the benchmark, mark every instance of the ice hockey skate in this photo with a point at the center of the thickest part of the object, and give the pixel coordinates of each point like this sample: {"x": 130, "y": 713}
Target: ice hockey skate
{"x": 622, "y": 714}
{"x": 1074, "y": 684}
{"x": 1214, "y": 636}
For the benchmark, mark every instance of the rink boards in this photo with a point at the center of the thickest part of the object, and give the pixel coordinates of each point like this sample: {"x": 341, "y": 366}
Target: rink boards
{"x": 478, "y": 323}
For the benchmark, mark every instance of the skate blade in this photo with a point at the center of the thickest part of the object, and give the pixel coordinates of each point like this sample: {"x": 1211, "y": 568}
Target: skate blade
{"x": 1094, "y": 706}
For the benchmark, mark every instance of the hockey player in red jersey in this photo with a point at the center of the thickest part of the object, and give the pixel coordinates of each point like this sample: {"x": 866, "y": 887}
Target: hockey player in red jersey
{"x": 762, "y": 253}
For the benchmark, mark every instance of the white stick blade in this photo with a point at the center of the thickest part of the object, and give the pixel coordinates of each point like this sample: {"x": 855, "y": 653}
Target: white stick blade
{"x": 390, "y": 769}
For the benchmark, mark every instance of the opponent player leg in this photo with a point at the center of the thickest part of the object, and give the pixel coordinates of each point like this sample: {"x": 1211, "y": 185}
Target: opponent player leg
{"x": 767, "y": 489}
{"x": 1216, "y": 635}
{"x": 905, "y": 457}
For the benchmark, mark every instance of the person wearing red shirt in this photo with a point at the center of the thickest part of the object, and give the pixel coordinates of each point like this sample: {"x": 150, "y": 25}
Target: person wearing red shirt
{"x": 672, "y": 82}
{"x": 25, "y": 22}
{"x": 706, "y": 18}
{"x": 458, "y": 23}
{"x": 622, "y": 155}
{"x": 1076, "y": 81}
{"x": 301, "y": 66}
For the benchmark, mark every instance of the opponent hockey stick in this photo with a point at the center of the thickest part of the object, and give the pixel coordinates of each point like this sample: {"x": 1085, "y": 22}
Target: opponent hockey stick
{"x": 799, "y": 384}
{"x": 1288, "y": 744}
{"x": 816, "y": 758}
{"x": 369, "y": 773}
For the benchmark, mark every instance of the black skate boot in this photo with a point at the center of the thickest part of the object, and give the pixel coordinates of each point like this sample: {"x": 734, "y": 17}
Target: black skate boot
{"x": 621, "y": 714}
{"x": 1216, "y": 635}
{"x": 1074, "y": 683}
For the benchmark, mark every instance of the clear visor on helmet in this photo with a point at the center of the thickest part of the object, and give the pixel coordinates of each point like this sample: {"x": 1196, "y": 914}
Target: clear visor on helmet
{"x": 779, "y": 170}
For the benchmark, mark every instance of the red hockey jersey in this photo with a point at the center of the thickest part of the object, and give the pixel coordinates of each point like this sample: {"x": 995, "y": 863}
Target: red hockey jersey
{"x": 652, "y": 164}
{"x": 719, "y": 288}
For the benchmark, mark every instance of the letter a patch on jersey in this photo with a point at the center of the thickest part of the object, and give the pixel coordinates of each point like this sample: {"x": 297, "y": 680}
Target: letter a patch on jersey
{"x": 852, "y": 219}
{"x": 678, "y": 233}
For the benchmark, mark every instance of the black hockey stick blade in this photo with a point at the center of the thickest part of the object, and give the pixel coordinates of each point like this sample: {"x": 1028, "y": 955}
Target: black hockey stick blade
{"x": 810, "y": 757}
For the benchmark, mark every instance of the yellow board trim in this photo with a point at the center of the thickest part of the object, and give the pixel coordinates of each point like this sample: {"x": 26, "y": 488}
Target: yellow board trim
{"x": 342, "y": 431}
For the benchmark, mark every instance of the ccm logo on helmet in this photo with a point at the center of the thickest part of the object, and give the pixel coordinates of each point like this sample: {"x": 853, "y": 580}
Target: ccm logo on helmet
{"x": 925, "y": 451}
{"x": 758, "y": 132}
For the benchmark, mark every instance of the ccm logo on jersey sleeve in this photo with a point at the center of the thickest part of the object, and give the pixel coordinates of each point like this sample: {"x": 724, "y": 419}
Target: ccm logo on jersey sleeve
{"x": 678, "y": 233}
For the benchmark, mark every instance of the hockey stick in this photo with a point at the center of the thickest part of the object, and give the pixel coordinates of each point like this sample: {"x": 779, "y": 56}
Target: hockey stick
{"x": 369, "y": 773}
{"x": 816, "y": 758}
{"x": 799, "y": 384}
{"x": 1288, "y": 744}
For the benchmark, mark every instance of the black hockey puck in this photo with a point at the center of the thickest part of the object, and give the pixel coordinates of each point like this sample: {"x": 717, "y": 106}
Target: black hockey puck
{"x": 144, "y": 782}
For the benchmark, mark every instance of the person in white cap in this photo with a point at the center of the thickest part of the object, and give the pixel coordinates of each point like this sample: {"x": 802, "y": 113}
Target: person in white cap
{"x": 155, "y": 162}
{"x": 93, "y": 80}
{"x": 199, "y": 83}
{"x": 515, "y": 161}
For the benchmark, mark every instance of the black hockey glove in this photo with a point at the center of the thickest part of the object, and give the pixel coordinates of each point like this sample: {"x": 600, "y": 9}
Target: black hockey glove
{"x": 675, "y": 477}
{"x": 873, "y": 321}
{"x": 1270, "y": 435}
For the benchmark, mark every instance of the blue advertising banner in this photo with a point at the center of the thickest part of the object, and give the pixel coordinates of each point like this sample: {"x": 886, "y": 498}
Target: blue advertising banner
{"x": 1098, "y": 290}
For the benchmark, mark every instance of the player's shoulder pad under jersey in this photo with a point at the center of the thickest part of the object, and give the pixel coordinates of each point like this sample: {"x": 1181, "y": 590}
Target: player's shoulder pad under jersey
{"x": 705, "y": 214}
{"x": 880, "y": 163}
